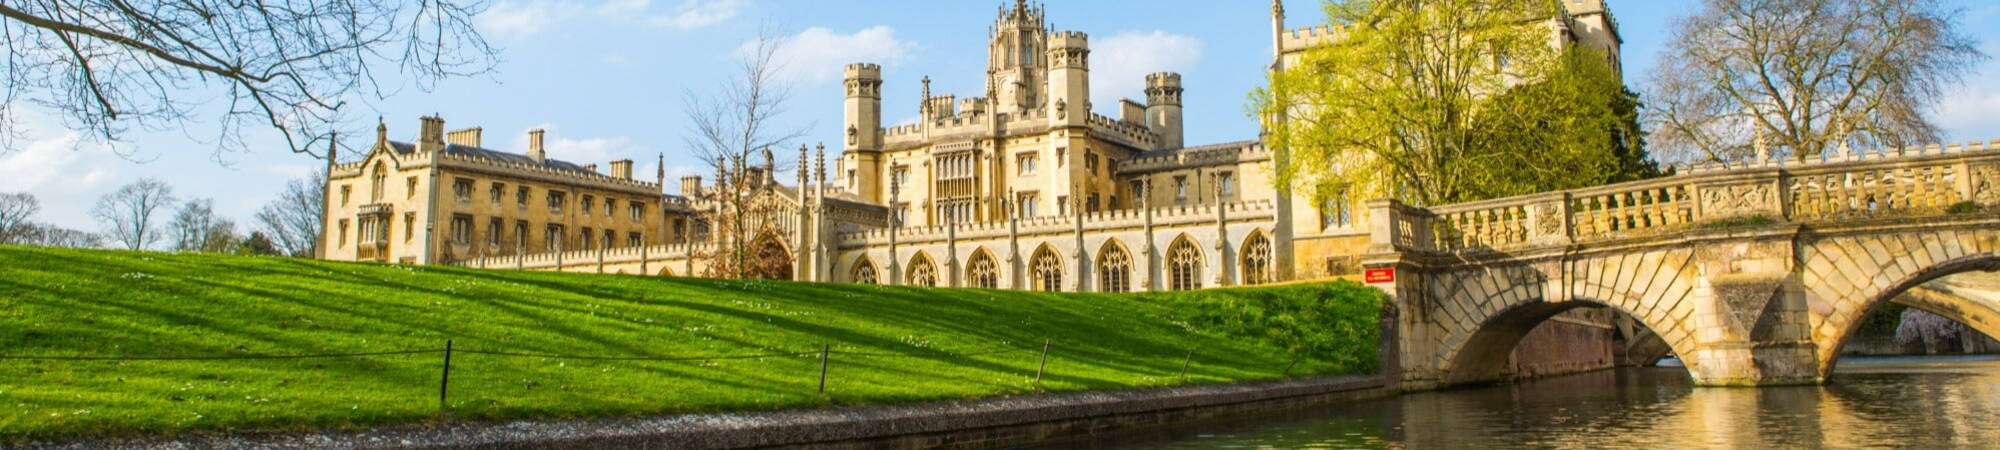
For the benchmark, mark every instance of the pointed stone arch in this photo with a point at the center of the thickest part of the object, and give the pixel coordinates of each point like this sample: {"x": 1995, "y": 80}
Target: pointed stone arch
{"x": 864, "y": 271}
{"x": 922, "y": 271}
{"x": 1184, "y": 264}
{"x": 666, "y": 271}
{"x": 769, "y": 259}
{"x": 1114, "y": 267}
{"x": 982, "y": 271}
{"x": 1256, "y": 259}
{"x": 1045, "y": 270}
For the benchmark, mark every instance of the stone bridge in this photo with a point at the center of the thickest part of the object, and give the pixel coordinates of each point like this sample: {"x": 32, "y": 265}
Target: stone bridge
{"x": 1753, "y": 274}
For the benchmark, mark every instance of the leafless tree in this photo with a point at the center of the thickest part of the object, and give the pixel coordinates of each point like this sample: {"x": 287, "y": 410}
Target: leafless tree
{"x": 15, "y": 212}
{"x": 734, "y": 127}
{"x": 1801, "y": 77}
{"x": 294, "y": 220}
{"x": 195, "y": 227}
{"x": 47, "y": 235}
{"x": 297, "y": 66}
{"x": 131, "y": 215}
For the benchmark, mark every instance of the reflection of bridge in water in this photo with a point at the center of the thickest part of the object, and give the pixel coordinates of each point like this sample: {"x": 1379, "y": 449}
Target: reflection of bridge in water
{"x": 1754, "y": 274}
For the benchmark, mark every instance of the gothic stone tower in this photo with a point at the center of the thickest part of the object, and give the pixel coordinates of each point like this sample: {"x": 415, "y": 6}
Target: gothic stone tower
{"x": 862, "y": 153}
{"x": 1015, "y": 65}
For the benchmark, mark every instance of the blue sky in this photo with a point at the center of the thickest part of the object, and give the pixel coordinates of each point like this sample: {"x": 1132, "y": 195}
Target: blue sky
{"x": 607, "y": 79}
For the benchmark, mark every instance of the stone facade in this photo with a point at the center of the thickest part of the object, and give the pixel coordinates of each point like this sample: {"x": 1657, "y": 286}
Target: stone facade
{"x": 1753, "y": 274}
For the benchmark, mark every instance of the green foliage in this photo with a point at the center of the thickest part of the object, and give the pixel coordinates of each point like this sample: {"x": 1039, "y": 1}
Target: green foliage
{"x": 1881, "y": 321}
{"x": 258, "y": 244}
{"x": 1750, "y": 221}
{"x": 96, "y": 302}
{"x": 1443, "y": 101}
{"x": 1965, "y": 207}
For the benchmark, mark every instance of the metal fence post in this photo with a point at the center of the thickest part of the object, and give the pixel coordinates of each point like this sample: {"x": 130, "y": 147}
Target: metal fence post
{"x": 444, "y": 380}
{"x": 1288, "y": 367}
{"x": 1185, "y": 362}
{"x": 823, "y": 350}
{"x": 1044, "y": 364}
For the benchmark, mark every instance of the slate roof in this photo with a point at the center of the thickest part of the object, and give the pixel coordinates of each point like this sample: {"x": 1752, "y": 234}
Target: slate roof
{"x": 1171, "y": 151}
{"x": 494, "y": 155}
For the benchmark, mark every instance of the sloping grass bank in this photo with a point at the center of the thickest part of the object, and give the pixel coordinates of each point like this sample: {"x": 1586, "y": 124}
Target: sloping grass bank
{"x": 890, "y": 344}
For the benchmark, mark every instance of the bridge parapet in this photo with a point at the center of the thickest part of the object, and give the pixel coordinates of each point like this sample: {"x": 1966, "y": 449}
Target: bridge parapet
{"x": 1915, "y": 181}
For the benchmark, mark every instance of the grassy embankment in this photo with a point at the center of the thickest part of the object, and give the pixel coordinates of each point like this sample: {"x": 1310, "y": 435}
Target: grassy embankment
{"x": 56, "y": 302}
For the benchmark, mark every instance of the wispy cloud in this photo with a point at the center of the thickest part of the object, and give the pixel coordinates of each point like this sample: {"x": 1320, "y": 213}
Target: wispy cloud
{"x": 62, "y": 170}
{"x": 1119, "y": 63}
{"x": 1971, "y": 110}
{"x": 583, "y": 151}
{"x": 699, "y": 13}
{"x": 819, "y": 54}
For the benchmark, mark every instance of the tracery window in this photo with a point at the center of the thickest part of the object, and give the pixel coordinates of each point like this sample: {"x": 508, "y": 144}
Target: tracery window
{"x": 1114, "y": 269}
{"x": 1257, "y": 260}
{"x": 922, "y": 272}
{"x": 1183, "y": 266}
{"x": 1047, "y": 271}
{"x": 982, "y": 272}
{"x": 864, "y": 272}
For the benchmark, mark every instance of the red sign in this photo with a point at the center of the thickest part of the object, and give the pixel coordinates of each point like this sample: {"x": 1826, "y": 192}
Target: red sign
{"x": 1380, "y": 275}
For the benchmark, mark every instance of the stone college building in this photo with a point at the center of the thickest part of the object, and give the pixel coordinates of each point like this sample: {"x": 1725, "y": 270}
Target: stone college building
{"x": 1018, "y": 187}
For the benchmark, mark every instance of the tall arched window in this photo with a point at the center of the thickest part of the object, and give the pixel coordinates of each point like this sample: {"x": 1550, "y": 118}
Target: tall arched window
{"x": 381, "y": 175}
{"x": 982, "y": 272}
{"x": 1047, "y": 270}
{"x": 1257, "y": 259}
{"x": 1183, "y": 265}
{"x": 922, "y": 271}
{"x": 1114, "y": 269}
{"x": 864, "y": 272}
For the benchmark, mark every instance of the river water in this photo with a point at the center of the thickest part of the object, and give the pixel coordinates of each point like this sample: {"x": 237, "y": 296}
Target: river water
{"x": 1904, "y": 402}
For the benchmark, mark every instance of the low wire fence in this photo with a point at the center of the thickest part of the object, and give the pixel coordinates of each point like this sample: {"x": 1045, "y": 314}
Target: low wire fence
{"x": 825, "y": 354}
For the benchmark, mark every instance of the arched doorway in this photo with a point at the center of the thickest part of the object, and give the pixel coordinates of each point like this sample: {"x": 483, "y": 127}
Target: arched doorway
{"x": 769, "y": 260}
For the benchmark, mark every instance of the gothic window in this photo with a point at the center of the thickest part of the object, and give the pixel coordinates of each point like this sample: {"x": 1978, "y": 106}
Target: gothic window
{"x": 1336, "y": 213}
{"x": 1114, "y": 269}
{"x": 634, "y": 239}
{"x": 410, "y": 226}
{"x": 585, "y": 238}
{"x": 585, "y": 205}
{"x": 521, "y": 234}
{"x": 638, "y": 211}
{"x": 1257, "y": 260}
{"x": 343, "y": 232}
{"x": 496, "y": 192}
{"x": 1025, "y": 205}
{"x": 375, "y": 195}
{"x": 1183, "y": 265}
{"x": 461, "y": 190}
{"x": 610, "y": 207}
{"x": 345, "y": 191}
{"x": 1225, "y": 186}
{"x": 521, "y": 197}
{"x": 493, "y": 231}
{"x": 922, "y": 272}
{"x": 554, "y": 239}
{"x": 1026, "y": 166}
{"x": 461, "y": 229}
{"x": 411, "y": 191}
{"x": 556, "y": 201}
{"x": 1047, "y": 271}
{"x": 982, "y": 272}
{"x": 1180, "y": 190}
{"x": 610, "y": 239}
{"x": 864, "y": 272}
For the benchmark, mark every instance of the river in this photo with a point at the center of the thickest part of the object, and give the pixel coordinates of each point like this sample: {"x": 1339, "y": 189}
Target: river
{"x": 1902, "y": 402}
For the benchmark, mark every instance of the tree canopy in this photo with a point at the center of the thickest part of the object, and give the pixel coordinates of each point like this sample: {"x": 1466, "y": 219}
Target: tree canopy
{"x": 1441, "y": 101}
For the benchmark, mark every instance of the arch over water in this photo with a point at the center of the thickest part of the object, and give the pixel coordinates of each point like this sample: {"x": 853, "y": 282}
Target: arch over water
{"x": 1979, "y": 310}
{"x": 1487, "y": 355}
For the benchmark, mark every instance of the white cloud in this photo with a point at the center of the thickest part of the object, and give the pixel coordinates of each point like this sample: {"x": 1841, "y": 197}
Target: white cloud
{"x": 612, "y": 7}
{"x": 698, "y": 13}
{"x": 64, "y": 172}
{"x": 819, "y": 54}
{"x": 519, "y": 20}
{"x": 586, "y": 151}
{"x": 1119, "y": 63}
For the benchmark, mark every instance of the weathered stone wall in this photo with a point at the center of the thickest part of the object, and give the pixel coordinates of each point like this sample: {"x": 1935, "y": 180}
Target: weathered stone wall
{"x": 1578, "y": 340}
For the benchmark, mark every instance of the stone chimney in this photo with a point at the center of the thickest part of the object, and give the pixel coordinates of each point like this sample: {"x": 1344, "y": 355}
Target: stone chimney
{"x": 592, "y": 168}
{"x": 535, "y": 149}
{"x": 467, "y": 137}
{"x": 430, "y": 134}
{"x": 691, "y": 186}
{"x": 621, "y": 169}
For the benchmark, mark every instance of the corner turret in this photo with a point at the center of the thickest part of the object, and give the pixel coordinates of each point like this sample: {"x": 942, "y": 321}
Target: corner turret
{"x": 1163, "y": 108}
{"x": 862, "y": 151}
{"x": 1069, "y": 78}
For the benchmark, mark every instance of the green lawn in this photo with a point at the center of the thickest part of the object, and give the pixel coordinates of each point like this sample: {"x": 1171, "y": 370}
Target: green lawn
{"x": 59, "y": 302}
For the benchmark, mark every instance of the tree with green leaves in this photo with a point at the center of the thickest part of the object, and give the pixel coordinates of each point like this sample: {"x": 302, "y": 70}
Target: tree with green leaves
{"x": 1441, "y": 101}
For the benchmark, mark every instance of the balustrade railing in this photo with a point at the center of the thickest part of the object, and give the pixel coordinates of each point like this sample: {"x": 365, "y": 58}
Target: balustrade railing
{"x": 1887, "y": 184}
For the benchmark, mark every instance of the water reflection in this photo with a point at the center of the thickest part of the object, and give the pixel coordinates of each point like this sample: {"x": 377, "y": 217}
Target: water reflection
{"x": 1928, "y": 402}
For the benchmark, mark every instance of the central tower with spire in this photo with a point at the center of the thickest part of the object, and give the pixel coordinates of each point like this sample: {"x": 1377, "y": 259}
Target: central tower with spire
{"x": 1016, "y": 64}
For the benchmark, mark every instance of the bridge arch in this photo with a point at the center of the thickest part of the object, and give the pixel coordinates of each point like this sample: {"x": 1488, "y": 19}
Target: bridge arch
{"x": 1840, "y": 303}
{"x": 1487, "y": 352}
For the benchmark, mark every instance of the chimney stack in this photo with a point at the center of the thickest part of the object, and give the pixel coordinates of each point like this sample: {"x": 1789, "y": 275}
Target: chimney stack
{"x": 430, "y": 134}
{"x": 691, "y": 186}
{"x": 592, "y": 168}
{"x": 621, "y": 169}
{"x": 535, "y": 149}
{"x": 467, "y": 137}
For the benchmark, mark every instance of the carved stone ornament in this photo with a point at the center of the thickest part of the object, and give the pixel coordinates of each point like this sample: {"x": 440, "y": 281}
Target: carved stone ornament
{"x": 1742, "y": 199}
{"x": 851, "y": 134}
{"x": 1062, "y": 109}
{"x": 1986, "y": 185}
{"x": 1548, "y": 219}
